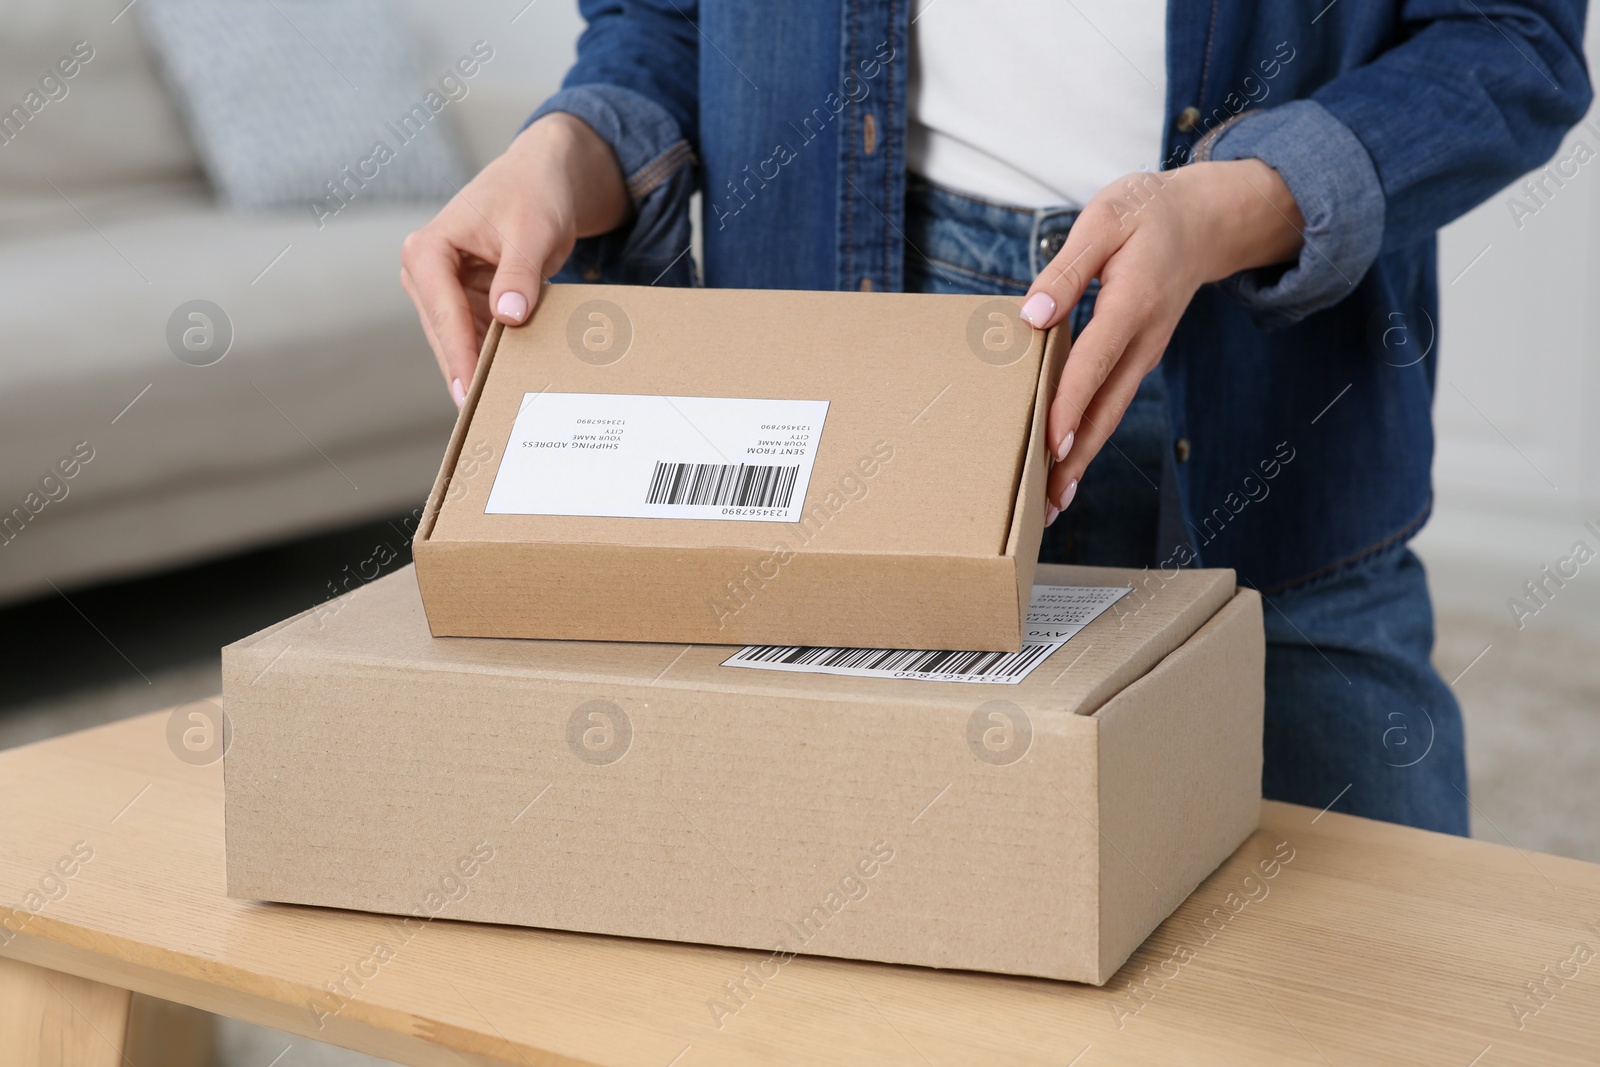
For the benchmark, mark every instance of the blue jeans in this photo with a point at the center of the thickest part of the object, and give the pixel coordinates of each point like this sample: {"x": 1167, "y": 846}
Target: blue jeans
{"x": 1356, "y": 716}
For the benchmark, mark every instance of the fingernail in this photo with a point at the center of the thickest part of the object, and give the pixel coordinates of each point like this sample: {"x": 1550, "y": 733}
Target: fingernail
{"x": 1050, "y": 513}
{"x": 1066, "y": 446}
{"x": 457, "y": 392}
{"x": 1071, "y": 491}
{"x": 1038, "y": 310}
{"x": 513, "y": 306}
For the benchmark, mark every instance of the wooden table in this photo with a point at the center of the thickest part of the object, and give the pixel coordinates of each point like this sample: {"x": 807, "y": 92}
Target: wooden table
{"x": 1373, "y": 944}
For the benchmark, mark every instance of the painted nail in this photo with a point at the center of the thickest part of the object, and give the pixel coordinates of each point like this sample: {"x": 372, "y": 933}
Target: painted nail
{"x": 1066, "y": 446}
{"x": 457, "y": 393}
{"x": 513, "y": 306}
{"x": 1050, "y": 513}
{"x": 1071, "y": 491}
{"x": 1038, "y": 310}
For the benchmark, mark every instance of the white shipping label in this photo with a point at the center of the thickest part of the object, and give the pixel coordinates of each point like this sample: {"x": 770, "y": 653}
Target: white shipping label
{"x": 1055, "y": 614}
{"x": 658, "y": 457}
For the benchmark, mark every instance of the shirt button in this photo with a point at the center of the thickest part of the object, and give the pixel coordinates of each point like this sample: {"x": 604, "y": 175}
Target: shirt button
{"x": 1181, "y": 450}
{"x": 1188, "y": 120}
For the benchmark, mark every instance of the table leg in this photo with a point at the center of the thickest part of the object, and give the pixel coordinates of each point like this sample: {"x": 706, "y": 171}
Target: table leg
{"x": 164, "y": 1034}
{"x": 50, "y": 1019}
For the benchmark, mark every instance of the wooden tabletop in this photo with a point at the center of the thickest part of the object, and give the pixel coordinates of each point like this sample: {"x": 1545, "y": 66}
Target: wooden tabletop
{"x": 1368, "y": 943}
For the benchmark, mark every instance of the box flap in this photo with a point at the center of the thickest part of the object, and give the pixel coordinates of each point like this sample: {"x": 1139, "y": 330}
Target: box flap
{"x": 1022, "y": 543}
{"x": 452, "y": 452}
{"x": 383, "y": 623}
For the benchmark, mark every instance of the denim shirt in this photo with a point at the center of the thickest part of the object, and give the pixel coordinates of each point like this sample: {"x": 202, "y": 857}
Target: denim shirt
{"x": 1308, "y": 386}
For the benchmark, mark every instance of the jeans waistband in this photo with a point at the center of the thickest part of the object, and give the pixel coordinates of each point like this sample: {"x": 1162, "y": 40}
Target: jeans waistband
{"x": 1044, "y": 229}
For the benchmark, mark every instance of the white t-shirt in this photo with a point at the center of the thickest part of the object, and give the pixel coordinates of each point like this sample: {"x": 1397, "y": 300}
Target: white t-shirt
{"x": 1036, "y": 103}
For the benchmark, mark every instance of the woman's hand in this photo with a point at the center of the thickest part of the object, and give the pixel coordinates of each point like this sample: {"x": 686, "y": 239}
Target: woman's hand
{"x": 1152, "y": 239}
{"x": 486, "y": 253}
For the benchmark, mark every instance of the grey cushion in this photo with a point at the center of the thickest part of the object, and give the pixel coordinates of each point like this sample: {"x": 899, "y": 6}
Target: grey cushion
{"x": 305, "y": 104}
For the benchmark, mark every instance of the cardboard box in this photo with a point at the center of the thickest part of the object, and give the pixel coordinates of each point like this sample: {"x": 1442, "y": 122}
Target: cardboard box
{"x": 729, "y": 467}
{"x": 1039, "y": 828}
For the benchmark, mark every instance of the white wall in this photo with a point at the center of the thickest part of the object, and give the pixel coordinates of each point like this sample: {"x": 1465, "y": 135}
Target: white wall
{"x": 1518, "y": 407}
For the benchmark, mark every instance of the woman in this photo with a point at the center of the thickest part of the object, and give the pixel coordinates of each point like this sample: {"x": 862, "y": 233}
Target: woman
{"x": 1232, "y": 204}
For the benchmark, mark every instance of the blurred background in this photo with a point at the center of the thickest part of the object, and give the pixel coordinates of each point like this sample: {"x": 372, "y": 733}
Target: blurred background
{"x": 202, "y": 322}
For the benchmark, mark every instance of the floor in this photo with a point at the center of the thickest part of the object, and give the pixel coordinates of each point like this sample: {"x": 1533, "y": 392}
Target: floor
{"x": 1531, "y": 693}
{"x": 1532, "y": 707}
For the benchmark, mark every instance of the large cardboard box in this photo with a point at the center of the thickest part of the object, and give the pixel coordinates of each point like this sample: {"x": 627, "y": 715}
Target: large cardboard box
{"x": 727, "y": 467}
{"x": 1038, "y": 828}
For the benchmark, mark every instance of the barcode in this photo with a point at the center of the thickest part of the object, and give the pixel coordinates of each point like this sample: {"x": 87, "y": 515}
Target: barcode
{"x": 900, "y": 661}
{"x": 725, "y": 484}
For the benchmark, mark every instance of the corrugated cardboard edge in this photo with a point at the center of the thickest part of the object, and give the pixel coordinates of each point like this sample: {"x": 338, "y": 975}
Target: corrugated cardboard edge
{"x": 458, "y": 436}
{"x": 1027, "y": 514}
{"x": 1184, "y": 625}
{"x": 1180, "y": 775}
{"x": 422, "y": 548}
{"x": 457, "y": 608}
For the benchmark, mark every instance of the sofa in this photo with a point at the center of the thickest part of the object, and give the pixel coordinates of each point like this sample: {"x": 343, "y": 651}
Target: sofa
{"x": 135, "y": 436}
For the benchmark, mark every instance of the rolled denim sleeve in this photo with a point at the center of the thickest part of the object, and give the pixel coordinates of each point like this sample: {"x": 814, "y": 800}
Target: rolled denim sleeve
{"x": 636, "y": 83}
{"x": 1336, "y": 187}
{"x": 1465, "y": 101}
{"x": 658, "y": 166}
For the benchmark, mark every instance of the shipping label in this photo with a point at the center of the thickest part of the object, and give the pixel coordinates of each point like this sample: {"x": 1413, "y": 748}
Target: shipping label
{"x": 1055, "y": 614}
{"x": 659, "y": 457}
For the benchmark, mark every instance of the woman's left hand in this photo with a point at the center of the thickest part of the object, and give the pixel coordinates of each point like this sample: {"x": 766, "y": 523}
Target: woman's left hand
{"x": 1152, "y": 239}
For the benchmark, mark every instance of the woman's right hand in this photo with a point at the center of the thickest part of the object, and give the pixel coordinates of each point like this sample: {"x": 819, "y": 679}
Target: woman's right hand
{"x": 488, "y": 251}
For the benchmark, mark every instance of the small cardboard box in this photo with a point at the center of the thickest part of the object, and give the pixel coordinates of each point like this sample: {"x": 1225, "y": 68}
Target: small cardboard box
{"x": 1039, "y": 828}
{"x": 731, "y": 467}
